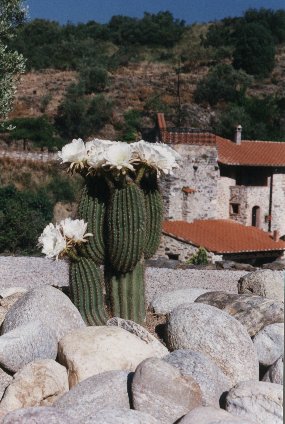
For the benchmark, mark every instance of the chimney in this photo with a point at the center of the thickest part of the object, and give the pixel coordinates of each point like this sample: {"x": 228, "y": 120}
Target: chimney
{"x": 276, "y": 235}
{"x": 237, "y": 136}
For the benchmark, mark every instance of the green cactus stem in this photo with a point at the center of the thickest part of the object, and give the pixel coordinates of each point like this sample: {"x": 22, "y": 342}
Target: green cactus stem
{"x": 154, "y": 213}
{"x": 126, "y": 227}
{"x": 126, "y": 293}
{"x": 86, "y": 284}
{"x": 92, "y": 208}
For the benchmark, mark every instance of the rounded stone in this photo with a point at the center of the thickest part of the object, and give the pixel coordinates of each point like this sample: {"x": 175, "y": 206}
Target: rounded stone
{"x": 211, "y": 415}
{"x": 25, "y": 344}
{"x": 120, "y": 416}
{"x": 37, "y": 415}
{"x": 274, "y": 374}
{"x": 161, "y": 390}
{"x": 269, "y": 343}
{"x": 214, "y": 333}
{"x": 265, "y": 283}
{"x": 212, "y": 381}
{"x": 256, "y": 401}
{"x": 164, "y": 303}
{"x": 48, "y": 305}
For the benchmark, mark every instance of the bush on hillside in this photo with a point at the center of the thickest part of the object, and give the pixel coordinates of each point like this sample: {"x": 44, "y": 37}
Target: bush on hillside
{"x": 93, "y": 79}
{"x": 223, "y": 82}
{"x": 23, "y": 215}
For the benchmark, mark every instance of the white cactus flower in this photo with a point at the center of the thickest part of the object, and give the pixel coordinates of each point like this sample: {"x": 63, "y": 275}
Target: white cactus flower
{"x": 74, "y": 229}
{"x": 74, "y": 152}
{"x": 157, "y": 156}
{"x": 52, "y": 241}
{"x": 119, "y": 156}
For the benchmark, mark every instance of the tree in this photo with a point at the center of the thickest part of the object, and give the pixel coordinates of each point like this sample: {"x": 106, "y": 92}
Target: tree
{"x": 12, "y": 64}
{"x": 223, "y": 82}
{"x": 254, "y": 49}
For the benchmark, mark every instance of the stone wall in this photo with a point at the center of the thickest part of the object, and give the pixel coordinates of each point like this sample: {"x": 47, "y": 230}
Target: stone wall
{"x": 224, "y": 197}
{"x": 278, "y": 204}
{"x": 199, "y": 171}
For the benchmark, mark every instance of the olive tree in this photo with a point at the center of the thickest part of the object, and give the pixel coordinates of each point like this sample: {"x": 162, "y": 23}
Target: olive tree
{"x": 12, "y": 64}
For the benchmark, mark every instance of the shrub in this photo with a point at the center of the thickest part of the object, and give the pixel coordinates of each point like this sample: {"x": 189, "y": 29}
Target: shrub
{"x": 22, "y": 217}
{"x": 93, "y": 79}
{"x": 199, "y": 258}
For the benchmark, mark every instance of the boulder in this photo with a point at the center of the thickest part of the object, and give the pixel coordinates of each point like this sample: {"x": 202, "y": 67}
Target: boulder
{"x": 254, "y": 312}
{"x": 274, "y": 374}
{"x": 93, "y": 350}
{"x": 9, "y": 291}
{"x": 211, "y": 415}
{"x": 256, "y": 401}
{"x": 6, "y": 303}
{"x": 265, "y": 283}
{"x": 161, "y": 390}
{"x": 140, "y": 332}
{"x": 269, "y": 343}
{"x": 25, "y": 344}
{"x": 120, "y": 416}
{"x": 39, "y": 383}
{"x": 164, "y": 303}
{"x": 214, "y": 333}
{"x": 47, "y": 304}
{"x": 95, "y": 393}
{"x": 5, "y": 380}
{"x": 212, "y": 381}
{"x": 39, "y": 415}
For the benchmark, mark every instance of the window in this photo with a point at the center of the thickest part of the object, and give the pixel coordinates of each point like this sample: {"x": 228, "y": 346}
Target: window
{"x": 234, "y": 208}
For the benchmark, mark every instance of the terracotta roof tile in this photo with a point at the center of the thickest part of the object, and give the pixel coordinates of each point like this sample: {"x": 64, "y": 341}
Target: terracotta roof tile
{"x": 253, "y": 153}
{"x": 222, "y": 236}
{"x": 184, "y": 137}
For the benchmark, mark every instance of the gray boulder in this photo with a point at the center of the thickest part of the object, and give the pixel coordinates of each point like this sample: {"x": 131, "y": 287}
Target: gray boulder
{"x": 210, "y": 415}
{"x": 216, "y": 334}
{"x": 159, "y": 389}
{"x": 37, "y": 415}
{"x": 254, "y": 312}
{"x": 265, "y": 283}
{"x": 269, "y": 344}
{"x": 100, "y": 391}
{"x": 274, "y": 373}
{"x": 120, "y": 416}
{"x": 25, "y": 344}
{"x": 212, "y": 381}
{"x": 5, "y": 380}
{"x": 164, "y": 303}
{"x": 47, "y": 304}
{"x": 256, "y": 401}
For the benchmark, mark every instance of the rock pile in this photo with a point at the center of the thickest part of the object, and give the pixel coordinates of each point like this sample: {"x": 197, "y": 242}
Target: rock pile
{"x": 221, "y": 359}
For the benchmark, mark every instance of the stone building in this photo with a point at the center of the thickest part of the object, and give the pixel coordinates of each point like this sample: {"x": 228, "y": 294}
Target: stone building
{"x": 220, "y": 179}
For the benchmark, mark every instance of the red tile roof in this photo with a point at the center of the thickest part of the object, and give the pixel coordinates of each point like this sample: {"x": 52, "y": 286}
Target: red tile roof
{"x": 222, "y": 236}
{"x": 251, "y": 153}
{"x": 184, "y": 137}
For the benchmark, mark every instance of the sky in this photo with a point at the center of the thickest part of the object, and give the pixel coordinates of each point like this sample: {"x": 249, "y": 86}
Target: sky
{"x": 102, "y": 10}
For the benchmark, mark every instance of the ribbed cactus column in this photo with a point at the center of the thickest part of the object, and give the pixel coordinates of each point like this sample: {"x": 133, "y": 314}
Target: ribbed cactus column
{"x": 86, "y": 277}
{"x": 126, "y": 217}
{"x": 86, "y": 283}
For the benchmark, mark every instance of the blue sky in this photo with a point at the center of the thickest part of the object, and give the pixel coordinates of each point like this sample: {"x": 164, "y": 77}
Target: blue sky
{"x": 102, "y": 10}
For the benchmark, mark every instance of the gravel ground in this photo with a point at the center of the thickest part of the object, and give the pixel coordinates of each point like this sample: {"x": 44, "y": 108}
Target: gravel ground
{"x": 29, "y": 272}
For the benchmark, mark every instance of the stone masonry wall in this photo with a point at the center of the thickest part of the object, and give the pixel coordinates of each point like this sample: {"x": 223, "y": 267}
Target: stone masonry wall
{"x": 199, "y": 171}
{"x": 278, "y": 204}
{"x": 224, "y": 194}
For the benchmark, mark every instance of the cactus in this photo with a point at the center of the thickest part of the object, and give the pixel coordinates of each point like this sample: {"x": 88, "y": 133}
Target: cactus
{"x": 154, "y": 214}
{"x": 126, "y": 293}
{"x": 92, "y": 209}
{"x": 126, "y": 227}
{"x": 86, "y": 283}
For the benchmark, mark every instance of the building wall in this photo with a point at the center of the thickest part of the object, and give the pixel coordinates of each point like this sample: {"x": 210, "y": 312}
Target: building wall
{"x": 224, "y": 197}
{"x": 278, "y": 204}
{"x": 199, "y": 170}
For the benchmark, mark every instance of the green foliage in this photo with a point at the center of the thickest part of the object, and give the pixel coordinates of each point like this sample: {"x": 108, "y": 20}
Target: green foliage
{"x": 12, "y": 64}
{"x": 93, "y": 79}
{"x": 38, "y": 130}
{"x": 274, "y": 21}
{"x": 131, "y": 125}
{"x": 79, "y": 116}
{"x": 261, "y": 118}
{"x": 223, "y": 82}
{"x": 199, "y": 258}
{"x": 22, "y": 217}
{"x": 254, "y": 49}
